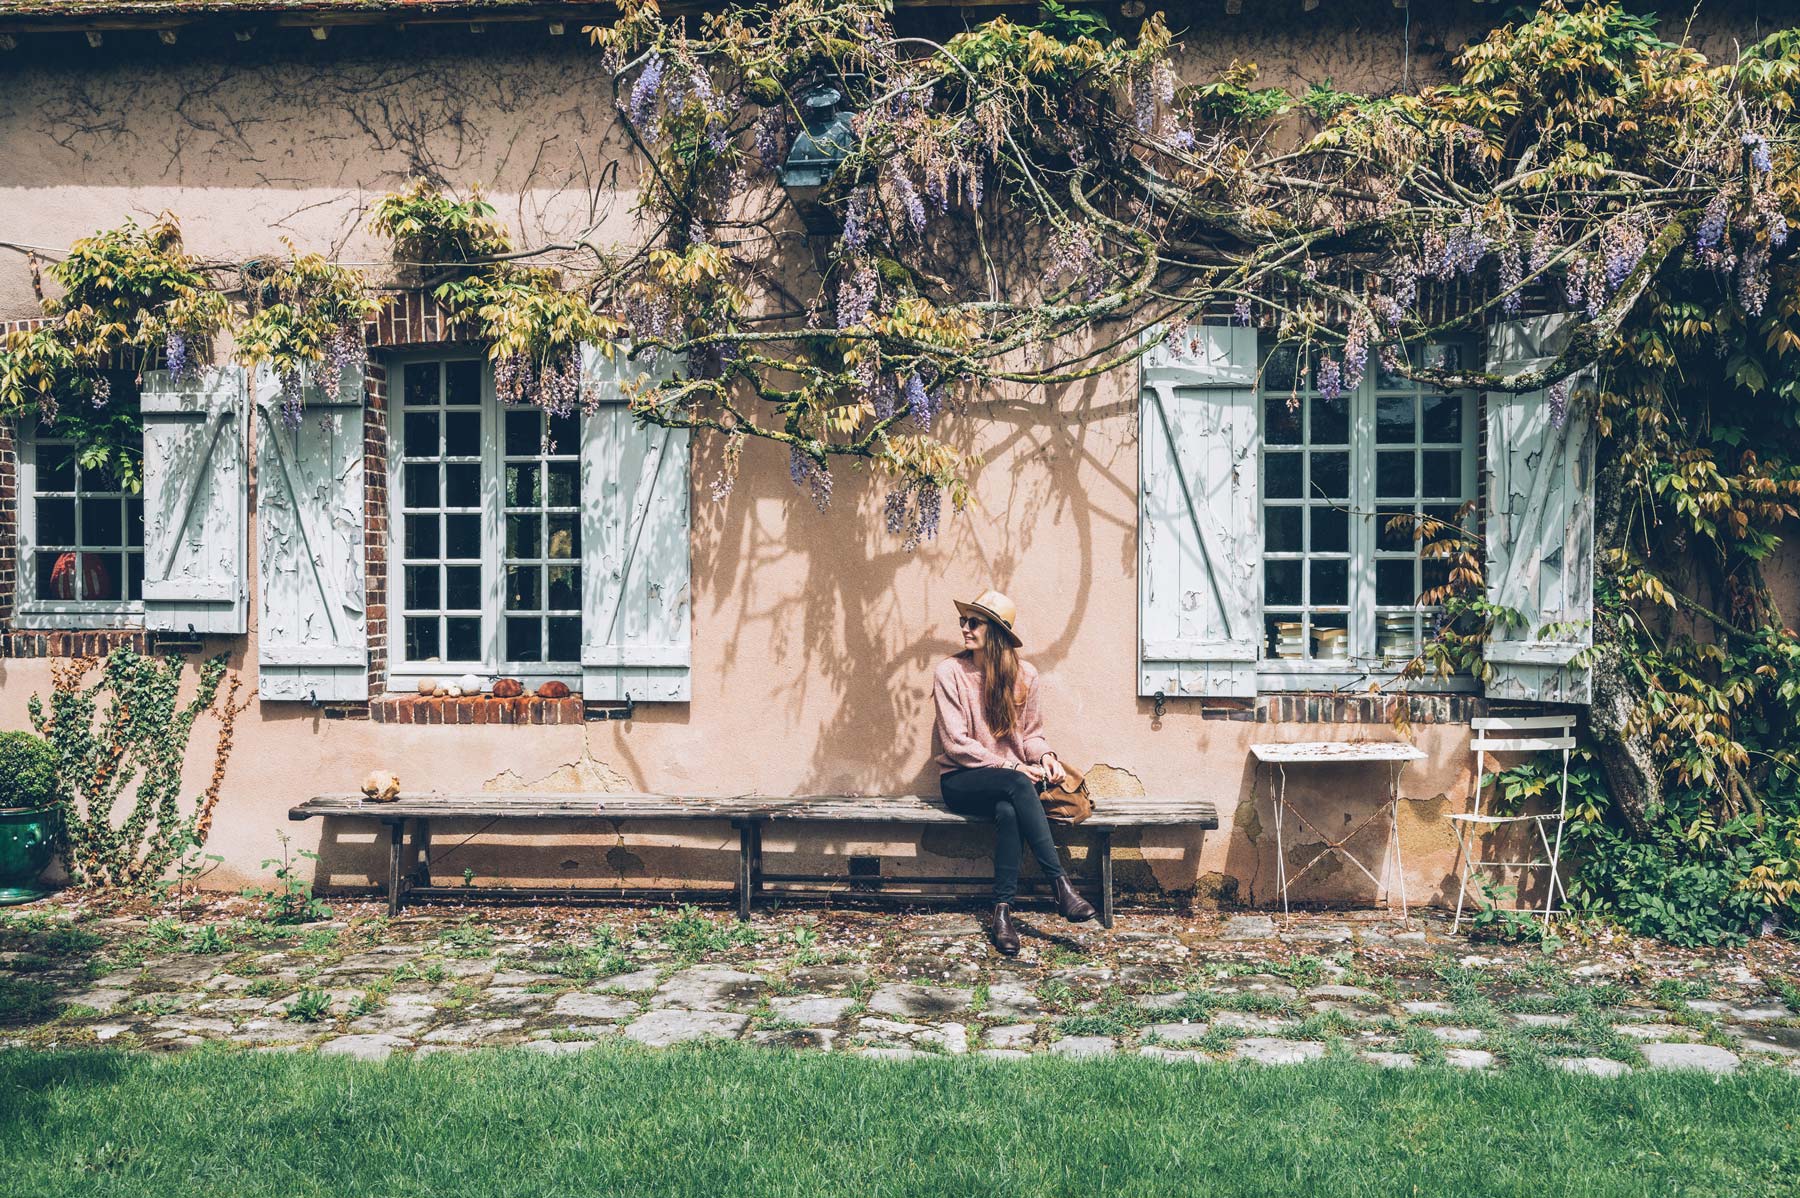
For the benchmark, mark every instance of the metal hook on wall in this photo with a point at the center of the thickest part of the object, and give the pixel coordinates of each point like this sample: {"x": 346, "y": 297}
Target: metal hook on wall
{"x": 1161, "y": 702}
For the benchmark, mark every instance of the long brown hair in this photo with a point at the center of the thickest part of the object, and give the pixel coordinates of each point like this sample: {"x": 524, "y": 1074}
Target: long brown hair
{"x": 1002, "y": 687}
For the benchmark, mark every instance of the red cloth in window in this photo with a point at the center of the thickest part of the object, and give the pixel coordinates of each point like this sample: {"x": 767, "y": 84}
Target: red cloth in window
{"x": 96, "y": 579}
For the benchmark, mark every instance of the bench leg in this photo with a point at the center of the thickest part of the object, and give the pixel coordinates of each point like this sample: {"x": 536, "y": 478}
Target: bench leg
{"x": 396, "y": 842}
{"x": 421, "y": 853}
{"x": 1103, "y": 846}
{"x": 756, "y": 860}
{"x": 746, "y": 849}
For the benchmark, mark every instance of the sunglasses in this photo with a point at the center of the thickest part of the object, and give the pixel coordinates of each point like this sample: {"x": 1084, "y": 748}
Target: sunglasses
{"x": 970, "y": 622}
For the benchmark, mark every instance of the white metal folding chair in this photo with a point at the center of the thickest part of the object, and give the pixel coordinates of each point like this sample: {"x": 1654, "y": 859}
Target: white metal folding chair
{"x": 1515, "y": 734}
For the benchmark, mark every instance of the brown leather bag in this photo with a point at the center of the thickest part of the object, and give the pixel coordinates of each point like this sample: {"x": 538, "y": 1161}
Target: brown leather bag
{"x": 1068, "y": 801}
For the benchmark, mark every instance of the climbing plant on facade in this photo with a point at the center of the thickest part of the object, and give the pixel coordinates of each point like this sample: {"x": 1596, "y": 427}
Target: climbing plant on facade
{"x": 1029, "y": 205}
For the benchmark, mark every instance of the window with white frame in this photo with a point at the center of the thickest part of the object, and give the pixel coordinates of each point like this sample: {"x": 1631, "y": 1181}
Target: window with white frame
{"x": 486, "y": 547}
{"x": 81, "y": 534}
{"x": 1344, "y": 482}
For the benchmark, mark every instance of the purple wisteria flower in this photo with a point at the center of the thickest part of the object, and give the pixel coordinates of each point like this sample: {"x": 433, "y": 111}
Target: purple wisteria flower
{"x": 1240, "y": 311}
{"x": 642, "y": 101}
{"x": 1758, "y": 146}
{"x": 856, "y": 295}
{"x": 1330, "y": 378}
{"x": 809, "y": 474}
{"x": 1558, "y": 397}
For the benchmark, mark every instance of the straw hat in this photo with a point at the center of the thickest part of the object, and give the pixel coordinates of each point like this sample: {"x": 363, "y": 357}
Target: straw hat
{"x": 994, "y": 606}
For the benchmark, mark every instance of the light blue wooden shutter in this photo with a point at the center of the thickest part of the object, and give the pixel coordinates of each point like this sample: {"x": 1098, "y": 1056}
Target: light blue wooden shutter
{"x": 634, "y": 535}
{"x": 312, "y": 631}
{"x": 195, "y": 486}
{"x": 1539, "y": 525}
{"x": 1199, "y": 523}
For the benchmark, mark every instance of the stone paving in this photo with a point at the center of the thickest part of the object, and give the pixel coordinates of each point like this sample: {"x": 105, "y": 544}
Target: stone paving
{"x": 889, "y": 984}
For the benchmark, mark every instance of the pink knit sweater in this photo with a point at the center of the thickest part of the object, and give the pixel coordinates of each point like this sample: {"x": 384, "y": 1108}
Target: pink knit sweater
{"x": 963, "y": 736}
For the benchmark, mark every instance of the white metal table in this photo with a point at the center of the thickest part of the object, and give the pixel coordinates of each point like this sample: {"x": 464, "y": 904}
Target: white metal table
{"x": 1339, "y": 752}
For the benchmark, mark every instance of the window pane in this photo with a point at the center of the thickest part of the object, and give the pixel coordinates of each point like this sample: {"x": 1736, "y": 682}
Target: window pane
{"x": 1394, "y": 474}
{"x": 565, "y": 537}
{"x": 1281, "y": 584}
{"x": 55, "y": 467}
{"x": 1330, "y": 640}
{"x": 1281, "y": 475}
{"x": 1281, "y": 370}
{"x": 462, "y": 434}
{"x": 522, "y": 484}
{"x": 524, "y": 432}
{"x": 55, "y": 575}
{"x": 1394, "y": 419}
{"x": 134, "y": 523}
{"x": 422, "y": 587}
{"x": 55, "y": 522}
{"x": 565, "y": 589}
{"x": 462, "y": 485}
{"x": 1394, "y": 529}
{"x": 421, "y": 384}
{"x": 421, "y": 536}
{"x": 1443, "y": 473}
{"x": 522, "y": 583}
{"x": 1330, "y": 582}
{"x": 565, "y": 484}
{"x": 134, "y": 577}
{"x": 102, "y": 576}
{"x": 462, "y": 536}
{"x": 522, "y": 537}
{"x": 462, "y": 383}
{"x": 1330, "y": 420}
{"x": 1330, "y": 530}
{"x": 1330, "y": 475}
{"x": 1443, "y": 417}
{"x": 421, "y": 638}
{"x": 421, "y": 484}
{"x": 102, "y": 522}
{"x": 462, "y": 588}
{"x": 1281, "y": 530}
{"x": 564, "y": 435}
{"x": 565, "y": 638}
{"x": 1286, "y": 638}
{"x": 1445, "y": 514}
{"x": 1394, "y": 583}
{"x": 421, "y": 429}
{"x": 462, "y": 637}
{"x": 1281, "y": 423}
{"x": 523, "y": 640}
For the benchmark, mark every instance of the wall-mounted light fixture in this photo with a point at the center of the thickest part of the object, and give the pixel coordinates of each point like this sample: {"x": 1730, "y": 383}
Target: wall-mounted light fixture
{"x": 824, "y": 141}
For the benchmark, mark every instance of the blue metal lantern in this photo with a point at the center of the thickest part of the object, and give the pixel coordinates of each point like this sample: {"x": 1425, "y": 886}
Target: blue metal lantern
{"x": 824, "y": 141}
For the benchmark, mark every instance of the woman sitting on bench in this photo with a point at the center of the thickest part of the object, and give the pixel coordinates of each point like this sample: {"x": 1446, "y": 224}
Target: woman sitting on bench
{"x": 994, "y": 757}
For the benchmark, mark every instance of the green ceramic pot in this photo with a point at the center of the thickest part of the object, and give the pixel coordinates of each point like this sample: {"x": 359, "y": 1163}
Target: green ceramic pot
{"x": 27, "y": 842}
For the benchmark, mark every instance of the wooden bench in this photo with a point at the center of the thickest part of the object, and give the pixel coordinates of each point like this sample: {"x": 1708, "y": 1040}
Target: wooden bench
{"x": 749, "y": 814}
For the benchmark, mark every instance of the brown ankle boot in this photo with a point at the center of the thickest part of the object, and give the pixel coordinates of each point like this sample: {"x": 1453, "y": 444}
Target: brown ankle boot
{"x": 1070, "y": 905}
{"x": 1002, "y": 932}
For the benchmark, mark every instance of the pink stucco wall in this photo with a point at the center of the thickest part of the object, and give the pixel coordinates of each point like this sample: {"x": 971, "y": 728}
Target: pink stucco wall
{"x": 814, "y": 634}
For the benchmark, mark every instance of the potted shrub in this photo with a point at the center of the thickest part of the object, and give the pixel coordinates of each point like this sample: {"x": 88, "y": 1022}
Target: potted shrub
{"x": 28, "y": 814}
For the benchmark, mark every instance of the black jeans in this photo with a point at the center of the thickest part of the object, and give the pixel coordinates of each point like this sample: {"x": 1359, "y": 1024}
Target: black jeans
{"x": 1011, "y": 800}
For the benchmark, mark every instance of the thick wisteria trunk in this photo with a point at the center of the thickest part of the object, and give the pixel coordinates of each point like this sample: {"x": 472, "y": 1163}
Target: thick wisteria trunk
{"x": 1633, "y": 776}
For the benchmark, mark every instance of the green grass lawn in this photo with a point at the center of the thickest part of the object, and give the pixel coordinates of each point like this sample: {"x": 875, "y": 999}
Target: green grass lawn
{"x": 729, "y": 1122}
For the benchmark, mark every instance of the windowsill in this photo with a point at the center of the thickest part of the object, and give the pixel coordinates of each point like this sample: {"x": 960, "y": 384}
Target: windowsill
{"x": 404, "y": 679}
{"x": 400, "y": 708}
{"x": 1273, "y": 677}
{"x": 79, "y": 617}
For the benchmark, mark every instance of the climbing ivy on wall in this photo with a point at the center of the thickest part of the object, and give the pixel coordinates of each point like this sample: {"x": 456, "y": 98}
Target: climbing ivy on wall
{"x": 121, "y": 743}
